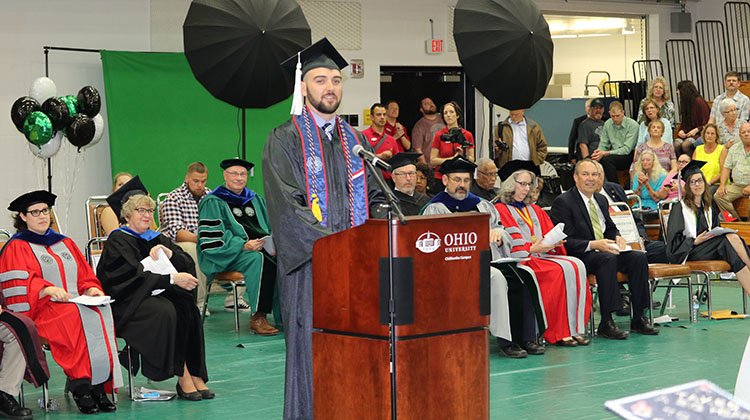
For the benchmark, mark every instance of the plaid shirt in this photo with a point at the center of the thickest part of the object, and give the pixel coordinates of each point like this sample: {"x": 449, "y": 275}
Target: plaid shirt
{"x": 179, "y": 212}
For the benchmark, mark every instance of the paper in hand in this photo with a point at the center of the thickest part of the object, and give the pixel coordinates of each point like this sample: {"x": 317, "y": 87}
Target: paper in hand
{"x": 161, "y": 265}
{"x": 92, "y": 300}
{"x": 268, "y": 245}
{"x": 555, "y": 235}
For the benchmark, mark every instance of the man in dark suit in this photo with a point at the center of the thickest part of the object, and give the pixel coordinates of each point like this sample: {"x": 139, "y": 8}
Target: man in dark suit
{"x": 594, "y": 238}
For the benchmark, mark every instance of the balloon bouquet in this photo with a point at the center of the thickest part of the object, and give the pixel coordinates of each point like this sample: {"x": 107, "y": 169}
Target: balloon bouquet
{"x": 44, "y": 118}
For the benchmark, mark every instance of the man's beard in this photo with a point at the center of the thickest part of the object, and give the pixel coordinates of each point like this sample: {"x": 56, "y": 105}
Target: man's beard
{"x": 429, "y": 111}
{"x": 322, "y": 107}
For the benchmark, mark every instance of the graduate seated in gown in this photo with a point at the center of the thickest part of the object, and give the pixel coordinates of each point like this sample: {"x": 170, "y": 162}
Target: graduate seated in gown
{"x": 689, "y": 225}
{"x": 561, "y": 278}
{"x": 40, "y": 271}
{"x": 154, "y": 313}
{"x": 517, "y": 317}
{"x": 404, "y": 171}
{"x": 232, "y": 233}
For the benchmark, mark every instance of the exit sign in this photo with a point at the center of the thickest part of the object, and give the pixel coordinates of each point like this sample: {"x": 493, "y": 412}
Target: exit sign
{"x": 434, "y": 46}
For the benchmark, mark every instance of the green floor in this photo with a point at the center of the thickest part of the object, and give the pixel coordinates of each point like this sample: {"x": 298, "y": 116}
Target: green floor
{"x": 565, "y": 382}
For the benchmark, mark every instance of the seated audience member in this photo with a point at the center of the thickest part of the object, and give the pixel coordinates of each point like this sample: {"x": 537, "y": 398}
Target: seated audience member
{"x": 424, "y": 130}
{"x": 108, "y": 219}
{"x": 732, "y": 93}
{"x": 382, "y": 143}
{"x": 596, "y": 241}
{"x": 573, "y": 153}
{"x": 614, "y": 193}
{"x": 232, "y": 233}
{"x": 729, "y": 128}
{"x": 669, "y": 189}
{"x": 21, "y": 355}
{"x": 154, "y": 313}
{"x": 424, "y": 176}
{"x": 664, "y": 151}
{"x": 179, "y": 220}
{"x": 562, "y": 279}
{"x": 658, "y": 91}
{"x": 738, "y": 165}
{"x": 694, "y": 114}
{"x": 710, "y": 152}
{"x": 688, "y": 236}
{"x": 590, "y": 129}
{"x": 451, "y": 141}
{"x": 514, "y": 321}
{"x": 651, "y": 113}
{"x": 648, "y": 179}
{"x": 404, "y": 170}
{"x": 41, "y": 271}
{"x": 484, "y": 182}
{"x": 520, "y": 138}
{"x": 394, "y": 128}
{"x": 618, "y": 137}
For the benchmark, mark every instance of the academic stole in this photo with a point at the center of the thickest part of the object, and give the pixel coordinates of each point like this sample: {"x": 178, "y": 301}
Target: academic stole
{"x": 316, "y": 179}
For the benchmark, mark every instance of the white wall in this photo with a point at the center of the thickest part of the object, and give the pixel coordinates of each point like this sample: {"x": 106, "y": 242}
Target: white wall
{"x": 25, "y": 27}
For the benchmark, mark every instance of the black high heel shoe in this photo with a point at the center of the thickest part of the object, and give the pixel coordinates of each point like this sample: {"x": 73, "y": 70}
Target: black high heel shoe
{"x": 190, "y": 396}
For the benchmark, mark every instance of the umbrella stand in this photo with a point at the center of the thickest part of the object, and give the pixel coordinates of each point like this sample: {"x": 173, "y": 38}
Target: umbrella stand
{"x": 244, "y": 135}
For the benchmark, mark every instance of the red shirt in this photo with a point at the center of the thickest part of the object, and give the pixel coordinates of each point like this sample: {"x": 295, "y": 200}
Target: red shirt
{"x": 447, "y": 149}
{"x": 391, "y": 130}
{"x": 389, "y": 144}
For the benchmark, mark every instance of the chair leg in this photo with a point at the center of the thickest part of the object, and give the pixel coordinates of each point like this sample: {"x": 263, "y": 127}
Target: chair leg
{"x": 131, "y": 393}
{"x": 45, "y": 397}
{"x": 744, "y": 301}
{"x": 21, "y": 399}
{"x": 709, "y": 300}
{"x": 205, "y": 301}
{"x": 652, "y": 286}
{"x": 236, "y": 308}
{"x": 592, "y": 330}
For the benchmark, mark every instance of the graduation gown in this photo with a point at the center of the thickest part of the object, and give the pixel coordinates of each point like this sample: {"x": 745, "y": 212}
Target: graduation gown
{"x": 411, "y": 205}
{"x": 166, "y": 329}
{"x": 562, "y": 279}
{"x": 295, "y": 230}
{"x": 81, "y": 338}
{"x": 680, "y": 247}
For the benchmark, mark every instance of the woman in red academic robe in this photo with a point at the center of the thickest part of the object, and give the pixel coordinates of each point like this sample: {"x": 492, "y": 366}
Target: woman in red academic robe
{"x": 40, "y": 271}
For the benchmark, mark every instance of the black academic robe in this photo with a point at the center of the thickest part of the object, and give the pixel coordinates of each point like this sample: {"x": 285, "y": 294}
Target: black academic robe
{"x": 295, "y": 229}
{"x": 166, "y": 329}
{"x": 680, "y": 247}
{"x": 411, "y": 205}
{"x": 488, "y": 195}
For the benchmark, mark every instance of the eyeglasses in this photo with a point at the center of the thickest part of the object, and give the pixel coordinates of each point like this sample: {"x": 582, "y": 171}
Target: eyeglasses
{"x": 489, "y": 174}
{"x": 142, "y": 211}
{"x": 405, "y": 174}
{"x": 36, "y": 213}
{"x": 237, "y": 174}
{"x": 683, "y": 162}
{"x": 698, "y": 181}
{"x": 523, "y": 184}
{"x": 460, "y": 180}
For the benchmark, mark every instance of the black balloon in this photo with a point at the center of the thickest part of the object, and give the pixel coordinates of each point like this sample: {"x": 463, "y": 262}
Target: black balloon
{"x": 81, "y": 130}
{"x": 89, "y": 101}
{"x": 57, "y": 111}
{"x": 21, "y": 109}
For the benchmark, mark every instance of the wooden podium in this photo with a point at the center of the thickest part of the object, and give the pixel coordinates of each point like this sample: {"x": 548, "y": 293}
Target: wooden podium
{"x": 441, "y": 294}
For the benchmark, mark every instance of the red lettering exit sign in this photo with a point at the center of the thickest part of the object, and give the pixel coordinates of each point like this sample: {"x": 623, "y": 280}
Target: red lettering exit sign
{"x": 434, "y": 46}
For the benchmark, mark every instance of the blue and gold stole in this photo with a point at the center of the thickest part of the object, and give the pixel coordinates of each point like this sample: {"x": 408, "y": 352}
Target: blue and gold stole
{"x": 316, "y": 178}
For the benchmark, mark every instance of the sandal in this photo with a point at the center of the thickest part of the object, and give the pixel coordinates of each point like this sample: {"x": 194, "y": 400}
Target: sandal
{"x": 567, "y": 342}
{"x": 581, "y": 340}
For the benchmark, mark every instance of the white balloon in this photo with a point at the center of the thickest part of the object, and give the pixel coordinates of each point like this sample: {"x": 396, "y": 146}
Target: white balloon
{"x": 42, "y": 89}
{"x": 48, "y": 149}
{"x": 98, "y": 131}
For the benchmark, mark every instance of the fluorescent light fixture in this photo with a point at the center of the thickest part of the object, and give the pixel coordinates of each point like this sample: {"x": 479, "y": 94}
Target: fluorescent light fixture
{"x": 564, "y": 36}
{"x": 571, "y": 36}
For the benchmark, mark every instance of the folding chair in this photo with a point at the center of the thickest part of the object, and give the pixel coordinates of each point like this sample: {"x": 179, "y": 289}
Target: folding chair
{"x": 236, "y": 280}
{"x": 708, "y": 270}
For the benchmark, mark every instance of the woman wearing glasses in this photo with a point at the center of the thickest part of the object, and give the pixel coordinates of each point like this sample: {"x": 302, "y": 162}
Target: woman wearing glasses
{"x": 689, "y": 226}
{"x": 562, "y": 279}
{"x": 154, "y": 313}
{"x": 40, "y": 272}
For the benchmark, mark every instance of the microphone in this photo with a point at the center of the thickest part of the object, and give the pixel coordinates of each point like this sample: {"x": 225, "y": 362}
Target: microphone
{"x": 371, "y": 157}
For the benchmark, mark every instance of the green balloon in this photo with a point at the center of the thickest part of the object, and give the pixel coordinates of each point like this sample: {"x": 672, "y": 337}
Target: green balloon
{"x": 38, "y": 128}
{"x": 72, "y": 103}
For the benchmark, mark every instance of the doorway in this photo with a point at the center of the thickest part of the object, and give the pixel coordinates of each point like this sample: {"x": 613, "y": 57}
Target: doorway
{"x": 408, "y": 85}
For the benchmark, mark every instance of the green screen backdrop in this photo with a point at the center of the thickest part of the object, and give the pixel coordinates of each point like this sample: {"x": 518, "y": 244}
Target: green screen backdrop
{"x": 161, "y": 119}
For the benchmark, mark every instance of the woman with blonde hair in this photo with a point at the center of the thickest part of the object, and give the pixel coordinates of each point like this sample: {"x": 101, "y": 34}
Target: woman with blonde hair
{"x": 108, "y": 220}
{"x": 658, "y": 91}
{"x": 648, "y": 179}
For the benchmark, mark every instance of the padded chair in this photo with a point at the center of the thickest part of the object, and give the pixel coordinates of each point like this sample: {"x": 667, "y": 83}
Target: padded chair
{"x": 707, "y": 270}
{"x": 235, "y": 279}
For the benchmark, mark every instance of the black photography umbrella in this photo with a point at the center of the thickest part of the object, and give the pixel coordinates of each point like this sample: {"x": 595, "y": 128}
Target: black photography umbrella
{"x": 234, "y": 48}
{"x": 505, "y": 48}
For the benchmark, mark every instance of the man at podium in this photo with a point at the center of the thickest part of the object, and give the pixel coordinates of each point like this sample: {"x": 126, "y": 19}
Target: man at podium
{"x": 514, "y": 323}
{"x": 315, "y": 186}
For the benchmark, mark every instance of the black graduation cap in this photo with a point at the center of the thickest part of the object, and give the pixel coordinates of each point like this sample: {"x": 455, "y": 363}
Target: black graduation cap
{"x": 23, "y": 202}
{"x": 227, "y": 163}
{"x": 457, "y": 164}
{"x": 692, "y": 167}
{"x": 129, "y": 189}
{"x": 517, "y": 165}
{"x": 319, "y": 54}
{"x": 403, "y": 159}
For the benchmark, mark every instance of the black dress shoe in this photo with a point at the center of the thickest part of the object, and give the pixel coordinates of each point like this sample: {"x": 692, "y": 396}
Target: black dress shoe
{"x": 101, "y": 400}
{"x": 641, "y": 326}
{"x": 514, "y": 351}
{"x": 9, "y": 408}
{"x": 85, "y": 403}
{"x": 608, "y": 329}
{"x": 207, "y": 394}
{"x": 190, "y": 396}
{"x": 532, "y": 347}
